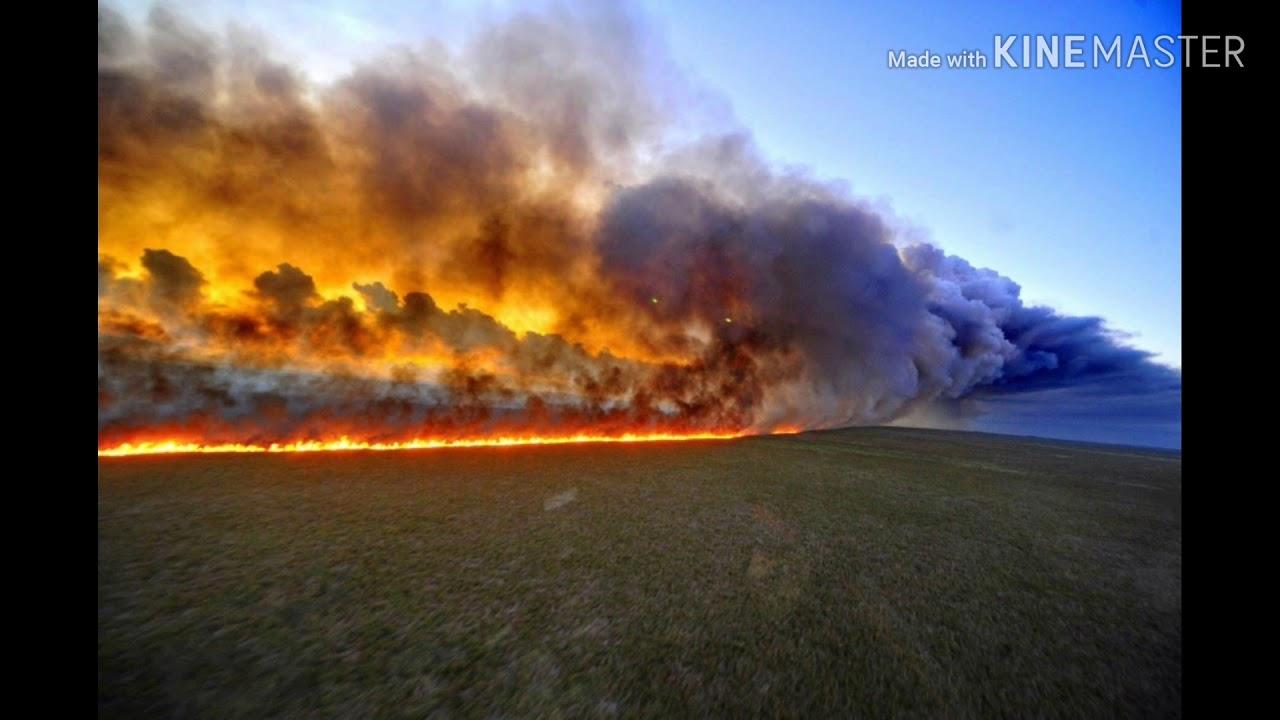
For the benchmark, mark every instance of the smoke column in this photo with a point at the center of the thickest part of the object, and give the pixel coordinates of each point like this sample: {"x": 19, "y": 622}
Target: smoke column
{"x": 523, "y": 239}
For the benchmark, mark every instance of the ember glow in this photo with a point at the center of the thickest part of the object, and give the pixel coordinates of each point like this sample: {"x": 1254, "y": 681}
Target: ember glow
{"x": 506, "y": 245}
{"x": 170, "y": 447}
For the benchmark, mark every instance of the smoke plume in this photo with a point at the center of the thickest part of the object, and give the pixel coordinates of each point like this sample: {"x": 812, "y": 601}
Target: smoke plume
{"x": 506, "y": 240}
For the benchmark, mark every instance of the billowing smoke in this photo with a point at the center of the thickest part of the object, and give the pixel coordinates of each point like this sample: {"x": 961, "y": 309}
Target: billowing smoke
{"x": 504, "y": 241}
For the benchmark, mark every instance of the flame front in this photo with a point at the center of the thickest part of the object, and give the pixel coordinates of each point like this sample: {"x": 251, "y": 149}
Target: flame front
{"x": 165, "y": 447}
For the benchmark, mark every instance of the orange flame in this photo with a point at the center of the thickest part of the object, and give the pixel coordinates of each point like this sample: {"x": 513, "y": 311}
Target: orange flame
{"x": 164, "y": 447}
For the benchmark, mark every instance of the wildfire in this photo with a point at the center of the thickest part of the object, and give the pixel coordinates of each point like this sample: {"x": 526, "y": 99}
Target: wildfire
{"x": 165, "y": 447}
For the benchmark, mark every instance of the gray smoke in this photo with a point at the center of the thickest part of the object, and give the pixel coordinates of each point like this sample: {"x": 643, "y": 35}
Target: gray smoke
{"x": 789, "y": 301}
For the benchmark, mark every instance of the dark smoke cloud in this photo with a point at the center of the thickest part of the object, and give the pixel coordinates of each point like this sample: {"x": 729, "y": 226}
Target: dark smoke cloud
{"x": 174, "y": 281}
{"x": 701, "y": 290}
{"x": 287, "y": 288}
{"x": 1041, "y": 349}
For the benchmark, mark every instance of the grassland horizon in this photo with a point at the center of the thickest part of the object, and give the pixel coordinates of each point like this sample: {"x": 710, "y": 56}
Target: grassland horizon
{"x": 869, "y": 572}
{"x": 345, "y": 445}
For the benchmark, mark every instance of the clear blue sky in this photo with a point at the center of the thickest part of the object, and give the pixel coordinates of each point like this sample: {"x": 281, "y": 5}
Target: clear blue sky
{"x": 1067, "y": 181}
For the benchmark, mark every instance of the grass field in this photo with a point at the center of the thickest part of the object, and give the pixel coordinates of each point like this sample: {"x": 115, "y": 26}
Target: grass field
{"x": 850, "y": 573}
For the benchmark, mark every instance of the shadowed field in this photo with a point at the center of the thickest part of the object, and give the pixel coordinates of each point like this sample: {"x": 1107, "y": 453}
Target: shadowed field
{"x": 864, "y": 572}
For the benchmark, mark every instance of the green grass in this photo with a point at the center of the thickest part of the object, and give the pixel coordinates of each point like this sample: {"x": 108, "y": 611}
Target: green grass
{"x": 867, "y": 572}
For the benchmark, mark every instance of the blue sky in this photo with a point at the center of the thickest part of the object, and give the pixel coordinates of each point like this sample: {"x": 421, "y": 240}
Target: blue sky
{"x": 1067, "y": 181}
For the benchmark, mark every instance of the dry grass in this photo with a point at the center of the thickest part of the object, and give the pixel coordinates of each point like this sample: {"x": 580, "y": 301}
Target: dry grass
{"x": 871, "y": 572}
